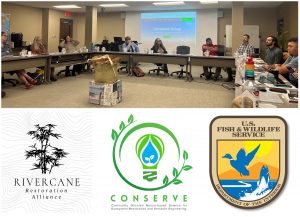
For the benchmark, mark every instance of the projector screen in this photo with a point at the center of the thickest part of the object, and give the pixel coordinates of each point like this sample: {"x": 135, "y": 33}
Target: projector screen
{"x": 171, "y": 27}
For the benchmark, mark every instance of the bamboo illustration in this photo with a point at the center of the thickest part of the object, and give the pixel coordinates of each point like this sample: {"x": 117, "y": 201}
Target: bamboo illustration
{"x": 47, "y": 157}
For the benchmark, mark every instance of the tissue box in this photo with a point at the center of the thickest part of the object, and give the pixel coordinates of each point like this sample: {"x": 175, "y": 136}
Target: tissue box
{"x": 105, "y": 94}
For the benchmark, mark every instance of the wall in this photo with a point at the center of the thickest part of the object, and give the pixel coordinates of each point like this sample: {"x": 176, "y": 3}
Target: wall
{"x": 27, "y": 20}
{"x": 31, "y": 26}
{"x": 108, "y": 22}
{"x": 289, "y": 12}
{"x": 222, "y": 22}
{"x": 79, "y": 27}
{"x": 207, "y": 26}
{"x": 54, "y": 27}
{"x": 265, "y": 18}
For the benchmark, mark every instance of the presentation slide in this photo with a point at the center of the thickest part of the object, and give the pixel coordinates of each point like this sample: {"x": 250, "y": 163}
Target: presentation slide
{"x": 174, "y": 28}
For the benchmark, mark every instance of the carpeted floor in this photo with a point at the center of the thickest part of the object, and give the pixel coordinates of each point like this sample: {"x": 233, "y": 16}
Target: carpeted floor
{"x": 150, "y": 91}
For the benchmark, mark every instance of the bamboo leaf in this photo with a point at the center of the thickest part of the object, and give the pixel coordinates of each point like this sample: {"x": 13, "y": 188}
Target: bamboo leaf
{"x": 166, "y": 180}
{"x": 122, "y": 126}
{"x": 114, "y": 134}
{"x": 175, "y": 172}
{"x": 130, "y": 119}
{"x": 177, "y": 182}
{"x": 187, "y": 167}
{"x": 185, "y": 155}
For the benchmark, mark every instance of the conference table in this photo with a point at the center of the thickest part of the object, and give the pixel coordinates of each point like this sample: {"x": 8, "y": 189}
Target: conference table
{"x": 215, "y": 61}
{"x": 268, "y": 98}
{"x": 54, "y": 60}
{"x": 13, "y": 63}
{"x": 160, "y": 58}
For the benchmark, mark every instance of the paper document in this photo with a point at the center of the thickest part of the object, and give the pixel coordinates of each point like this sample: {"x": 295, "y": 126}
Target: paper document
{"x": 270, "y": 97}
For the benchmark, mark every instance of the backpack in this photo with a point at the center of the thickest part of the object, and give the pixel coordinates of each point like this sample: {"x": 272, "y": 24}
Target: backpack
{"x": 38, "y": 76}
{"x": 137, "y": 71}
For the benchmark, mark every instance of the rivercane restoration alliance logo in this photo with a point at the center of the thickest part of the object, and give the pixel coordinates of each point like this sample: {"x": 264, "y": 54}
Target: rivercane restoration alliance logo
{"x": 248, "y": 159}
{"x": 148, "y": 156}
{"x": 46, "y": 156}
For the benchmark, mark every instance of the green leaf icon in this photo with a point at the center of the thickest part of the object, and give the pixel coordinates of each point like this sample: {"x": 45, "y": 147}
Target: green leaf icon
{"x": 177, "y": 182}
{"x": 114, "y": 134}
{"x": 122, "y": 126}
{"x": 187, "y": 167}
{"x": 166, "y": 180}
{"x": 185, "y": 155}
{"x": 175, "y": 172}
{"x": 130, "y": 119}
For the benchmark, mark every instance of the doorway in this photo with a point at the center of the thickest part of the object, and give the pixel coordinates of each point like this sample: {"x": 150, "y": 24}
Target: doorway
{"x": 66, "y": 28}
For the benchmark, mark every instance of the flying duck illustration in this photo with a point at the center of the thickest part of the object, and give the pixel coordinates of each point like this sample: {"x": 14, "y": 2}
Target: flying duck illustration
{"x": 242, "y": 160}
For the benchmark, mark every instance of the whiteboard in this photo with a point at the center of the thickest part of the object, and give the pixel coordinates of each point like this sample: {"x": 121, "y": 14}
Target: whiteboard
{"x": 252, "y": 30}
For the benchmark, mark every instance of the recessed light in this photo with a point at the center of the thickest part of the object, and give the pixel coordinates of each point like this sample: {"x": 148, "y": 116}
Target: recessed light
{"x": 67, "y": 6}
{"x": 207, "y": 2}
{"x": 168, "y": 3}
{"x": 113, "y": 5}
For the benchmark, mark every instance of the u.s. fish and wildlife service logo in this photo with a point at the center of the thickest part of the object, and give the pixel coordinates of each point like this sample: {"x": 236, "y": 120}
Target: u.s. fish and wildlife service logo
{"x": 248, "y": 159}
{"x": 148, "y": 156}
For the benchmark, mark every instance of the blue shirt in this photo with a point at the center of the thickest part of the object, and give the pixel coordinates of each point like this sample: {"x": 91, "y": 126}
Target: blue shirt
{"x": 5, "y": 51}
{"x": 133, "y": 48}
{"x": 291, "y": 62}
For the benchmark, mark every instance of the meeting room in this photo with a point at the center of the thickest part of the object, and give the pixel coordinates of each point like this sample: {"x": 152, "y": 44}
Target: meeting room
{"x": 149, "y": 54}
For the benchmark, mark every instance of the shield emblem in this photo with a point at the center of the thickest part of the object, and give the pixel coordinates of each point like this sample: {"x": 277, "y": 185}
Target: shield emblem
{"x": 248, "y": 159}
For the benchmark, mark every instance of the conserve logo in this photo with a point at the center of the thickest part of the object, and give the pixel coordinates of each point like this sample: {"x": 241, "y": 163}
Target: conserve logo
{"x": 248, "y": 159}
{"x": 147, "y": 156}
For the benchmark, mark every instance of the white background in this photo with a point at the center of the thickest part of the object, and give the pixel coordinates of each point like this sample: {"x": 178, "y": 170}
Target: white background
{"x": 191, "y": 127}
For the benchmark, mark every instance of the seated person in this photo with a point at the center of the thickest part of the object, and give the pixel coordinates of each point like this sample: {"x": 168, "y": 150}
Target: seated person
{"x": 71, "y": 46}
{"x": 6, "y": 51}
{"x": 246, "y": 47}
{"x": 210, "y": 50}
{"x": 273, "y": 52}
{"x": 130, "y": 46}
{"x": 293, "y": 76}
{"x": 292, "y": 60}
{"x": 37, "y": 47}
{"x": 158, "y": 47}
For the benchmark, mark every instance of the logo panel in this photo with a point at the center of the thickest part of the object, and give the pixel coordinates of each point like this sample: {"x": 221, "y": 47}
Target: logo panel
{"x": 148, "y": 156}
{"x": 248, "y": 159}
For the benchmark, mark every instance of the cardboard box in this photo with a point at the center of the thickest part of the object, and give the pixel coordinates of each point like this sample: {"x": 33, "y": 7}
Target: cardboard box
{"x": 105, "y": 94}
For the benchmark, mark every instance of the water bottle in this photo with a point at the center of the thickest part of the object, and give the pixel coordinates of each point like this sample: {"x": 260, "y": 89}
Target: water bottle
{"x": 249, "y": 68}
{"x": 92, "y": 47}
{"x": 250, "y": 95}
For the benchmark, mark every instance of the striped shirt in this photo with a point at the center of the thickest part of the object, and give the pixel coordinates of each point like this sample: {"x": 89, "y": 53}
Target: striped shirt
{"x": 249, "y": 49}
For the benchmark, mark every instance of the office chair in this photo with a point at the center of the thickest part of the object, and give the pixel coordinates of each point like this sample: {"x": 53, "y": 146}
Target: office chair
{"x": 182, "y": 50}
{"x": 157, "y": 70}
{"x": 123, "y": 64}
{"x": 64, "y": 70}
{"x": 220, "y": 52}
{"x": 256, "y": 52}
{"x": 11, "y": 81}
{"x": 105, "y": 45}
